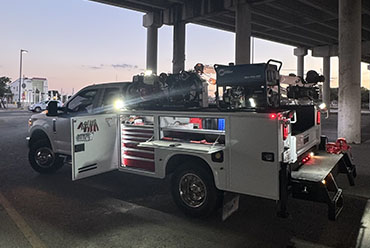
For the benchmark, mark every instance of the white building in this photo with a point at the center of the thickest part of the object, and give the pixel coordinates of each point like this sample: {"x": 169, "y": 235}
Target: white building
{"x": 33, "y": 90}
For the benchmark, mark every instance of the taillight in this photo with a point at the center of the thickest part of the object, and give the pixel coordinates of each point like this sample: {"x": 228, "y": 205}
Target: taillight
{"x": 285, "y": 131}
{"x": 318, "y": 118}
{"x": 279, "y": 116}
{"x": 306, "y": 158}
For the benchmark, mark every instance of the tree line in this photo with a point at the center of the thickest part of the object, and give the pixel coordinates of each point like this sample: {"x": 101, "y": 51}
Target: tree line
{"x": 4, "y": 88}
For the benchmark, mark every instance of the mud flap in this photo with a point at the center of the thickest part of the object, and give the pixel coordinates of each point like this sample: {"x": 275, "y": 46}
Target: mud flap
{"x": 230, "y": 204}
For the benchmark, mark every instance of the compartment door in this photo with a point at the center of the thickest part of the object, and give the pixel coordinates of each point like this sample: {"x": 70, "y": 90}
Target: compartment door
{"x": 95, "y": 147}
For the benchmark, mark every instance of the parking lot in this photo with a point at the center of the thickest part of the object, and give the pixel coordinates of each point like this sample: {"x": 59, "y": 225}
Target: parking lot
{"x": 124, "y": 210}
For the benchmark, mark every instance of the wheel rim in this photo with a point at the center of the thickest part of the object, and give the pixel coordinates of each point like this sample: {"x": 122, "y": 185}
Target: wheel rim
{"x": 193, "y": 191}
{"x": 44, "y": 157}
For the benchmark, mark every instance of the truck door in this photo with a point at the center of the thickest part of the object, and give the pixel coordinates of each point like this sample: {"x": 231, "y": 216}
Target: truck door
{"x": 94, "y": 145}
{"x": 81, "y": 104}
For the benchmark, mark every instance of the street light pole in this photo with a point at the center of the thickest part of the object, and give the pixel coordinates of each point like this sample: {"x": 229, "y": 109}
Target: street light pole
{"x": 20, "y": 77}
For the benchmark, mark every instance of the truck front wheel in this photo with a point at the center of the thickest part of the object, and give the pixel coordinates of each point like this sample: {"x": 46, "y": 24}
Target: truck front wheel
{"x": 194, "y": 191}
{"x": 42, "y": 158}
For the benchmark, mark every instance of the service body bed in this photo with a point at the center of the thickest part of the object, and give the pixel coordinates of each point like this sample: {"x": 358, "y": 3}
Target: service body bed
{"x": 256, "y": 159}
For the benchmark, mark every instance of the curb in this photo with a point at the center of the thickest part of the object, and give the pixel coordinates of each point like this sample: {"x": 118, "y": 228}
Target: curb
{"x": 12, "y": 109}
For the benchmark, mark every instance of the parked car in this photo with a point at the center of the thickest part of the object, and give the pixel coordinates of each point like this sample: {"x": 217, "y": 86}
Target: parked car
{"x": 40, "y": 106}
{"x": 50, "y": 137}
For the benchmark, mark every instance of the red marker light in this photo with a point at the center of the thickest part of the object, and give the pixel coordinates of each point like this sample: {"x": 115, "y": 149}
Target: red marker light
{"x": 272, "y": 116}
{"x": 305, "y": 159}
{"x": 318, "y": 118}
{"x": 285, "y": 131}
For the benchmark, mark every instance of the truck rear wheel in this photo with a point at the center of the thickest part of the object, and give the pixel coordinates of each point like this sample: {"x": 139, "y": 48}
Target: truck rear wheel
{"x": 194, "y": 191}
{"x": 42, "y": 158}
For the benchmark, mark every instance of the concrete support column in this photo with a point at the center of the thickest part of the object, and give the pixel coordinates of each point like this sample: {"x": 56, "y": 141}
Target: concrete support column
{"x": 326, "y": 86}
{"x": 179, "y": 32}
{"x": 349, "y": 114}
{"x": 152, "y": 48}
{"x": 300, "y": 52}
{"x": 243, "y": 30}
{"x": 152, "y": 22}
{"x": 368, "y": 67}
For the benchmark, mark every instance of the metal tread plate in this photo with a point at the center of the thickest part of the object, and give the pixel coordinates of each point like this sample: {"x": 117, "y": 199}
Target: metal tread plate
{"x": 318, "y": 167}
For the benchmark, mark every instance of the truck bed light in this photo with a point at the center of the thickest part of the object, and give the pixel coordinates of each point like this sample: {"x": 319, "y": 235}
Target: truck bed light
{"x": 118, "y": 104}
{"x": 148, "y": 72}
{"x": 322, "y": 106}
{"x": 252, "y": 102}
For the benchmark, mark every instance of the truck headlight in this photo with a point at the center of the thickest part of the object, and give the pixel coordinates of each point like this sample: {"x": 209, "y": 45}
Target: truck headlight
{"x": 252, "y": 102}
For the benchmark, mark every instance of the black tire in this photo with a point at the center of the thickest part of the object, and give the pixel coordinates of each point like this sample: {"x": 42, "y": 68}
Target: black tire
{"x": 42, "y": 158}
{"x": 37, "y": 109}
{"x": 211, "y": 199}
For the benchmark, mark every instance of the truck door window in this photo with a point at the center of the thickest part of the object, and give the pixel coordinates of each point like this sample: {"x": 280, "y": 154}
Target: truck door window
{"x": 83, "y": 102}
{"x": 111, "y": 95}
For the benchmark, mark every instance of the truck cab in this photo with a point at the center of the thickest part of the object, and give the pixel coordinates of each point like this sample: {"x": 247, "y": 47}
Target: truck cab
{"x": 50, "y": 136}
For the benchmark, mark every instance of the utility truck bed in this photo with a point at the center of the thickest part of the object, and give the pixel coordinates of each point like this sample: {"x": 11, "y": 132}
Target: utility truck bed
{"x": 251, "y": 142}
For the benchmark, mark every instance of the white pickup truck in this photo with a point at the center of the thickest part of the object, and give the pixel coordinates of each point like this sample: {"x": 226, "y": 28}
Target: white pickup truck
{"x": 209, "y": 152}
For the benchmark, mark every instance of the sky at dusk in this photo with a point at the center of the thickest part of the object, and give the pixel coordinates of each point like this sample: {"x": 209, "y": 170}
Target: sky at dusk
{"x": 74, "y": 43}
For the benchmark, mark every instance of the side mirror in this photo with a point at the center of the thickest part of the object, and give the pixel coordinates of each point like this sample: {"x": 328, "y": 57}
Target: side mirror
{"x": 52, "y": 108}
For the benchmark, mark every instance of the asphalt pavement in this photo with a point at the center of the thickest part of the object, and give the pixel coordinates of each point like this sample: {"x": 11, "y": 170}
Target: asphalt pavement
{"x": 123, "y": 210}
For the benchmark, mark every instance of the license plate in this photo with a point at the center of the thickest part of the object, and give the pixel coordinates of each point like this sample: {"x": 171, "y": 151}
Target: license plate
{"x": 306, "y": 139}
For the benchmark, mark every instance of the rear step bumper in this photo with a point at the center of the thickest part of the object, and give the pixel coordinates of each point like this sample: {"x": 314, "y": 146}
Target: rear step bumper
{"x": 315, "y": 180}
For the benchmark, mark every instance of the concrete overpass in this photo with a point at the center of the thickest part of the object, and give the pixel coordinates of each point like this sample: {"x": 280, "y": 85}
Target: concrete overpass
{"x": 328, "y": 28}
